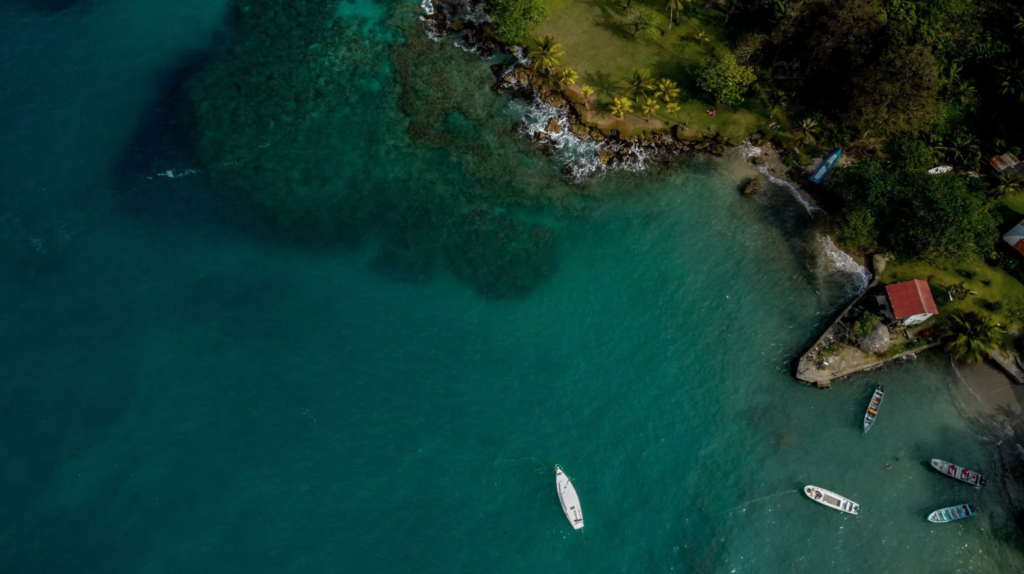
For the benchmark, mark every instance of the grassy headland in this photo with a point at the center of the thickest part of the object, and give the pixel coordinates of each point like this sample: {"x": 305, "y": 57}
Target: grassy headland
{"x": 599, "y": 45}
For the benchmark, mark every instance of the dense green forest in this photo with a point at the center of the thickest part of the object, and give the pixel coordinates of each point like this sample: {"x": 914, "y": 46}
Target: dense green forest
{"x": 901, "y": 85}
{"x": 950, "y": 72}
{"x": 906, "y": 85}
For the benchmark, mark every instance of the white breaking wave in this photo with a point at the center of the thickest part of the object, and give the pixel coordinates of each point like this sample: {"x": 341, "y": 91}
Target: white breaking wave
{"x": 751, "y": 151}
{"x": 570, "y": 150}
{"x": 837, "y": 260}
{"x": 834, "y": 260}
{"x": 578, "y": 155}
{"x": 519, "y": 53}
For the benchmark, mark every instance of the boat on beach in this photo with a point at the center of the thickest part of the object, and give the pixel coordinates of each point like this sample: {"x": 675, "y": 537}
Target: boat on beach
{"x": 872, "y": 412}
{"x": 952, "y": 513}
{"x": 826, "y": 166}
{"x": 570, "y": 501}
{"x": 831, "y": 499}
{"x": 958, "y": 472}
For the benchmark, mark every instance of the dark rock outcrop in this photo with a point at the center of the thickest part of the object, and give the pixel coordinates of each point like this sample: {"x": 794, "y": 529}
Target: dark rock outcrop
{"x": 527, "y": 83}
{"x": 579, "y": 130}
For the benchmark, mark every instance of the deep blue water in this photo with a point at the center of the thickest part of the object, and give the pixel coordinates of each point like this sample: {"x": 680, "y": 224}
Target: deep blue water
{"x": 360, "y": 338}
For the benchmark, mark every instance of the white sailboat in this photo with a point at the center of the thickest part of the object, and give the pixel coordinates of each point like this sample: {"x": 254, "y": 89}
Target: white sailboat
{"x": 831, "y": 499}
{"x": 570, "y": 501}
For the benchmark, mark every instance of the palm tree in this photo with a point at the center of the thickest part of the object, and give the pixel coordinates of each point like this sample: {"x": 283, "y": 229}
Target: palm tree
{"x": 808, "y": 129}
{"x": 1008, "y": 183}
{"x": 1013, "y": 79}
{"x": 667, "y": 90}
{"x": 777, "y": 100}
{"x": 939, "y": 147}
{"x": 587, "y": 91}
{"x": 965, "y": 148}
{"x": 650, "y": 107}
{"x": 701, "y": 37}
{"x": 621, "y": 107}
{"x": 964, "y": 91}
{"x": 970, "y": 337}
{"x": 640, "y": 83}
{"x": 547, "y": 54}
{"x": 671, "y": 108}
{"x": 672, "y": 6}
{"x": 569, "y": 76}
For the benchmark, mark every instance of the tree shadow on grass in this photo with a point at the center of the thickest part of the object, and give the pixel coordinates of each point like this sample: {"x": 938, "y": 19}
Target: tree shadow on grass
{"x": 603, "y": 82}
{"x": 682, "y": 72}
{"x": 613, "y": 18}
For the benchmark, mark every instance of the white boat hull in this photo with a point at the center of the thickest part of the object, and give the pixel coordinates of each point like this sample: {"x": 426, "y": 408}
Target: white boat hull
{"x": 831, "y": 499}
{"x": 570, "y": 501}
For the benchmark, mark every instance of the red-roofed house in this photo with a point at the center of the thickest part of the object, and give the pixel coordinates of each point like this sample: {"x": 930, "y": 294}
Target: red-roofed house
{"x": 911, "y": 301}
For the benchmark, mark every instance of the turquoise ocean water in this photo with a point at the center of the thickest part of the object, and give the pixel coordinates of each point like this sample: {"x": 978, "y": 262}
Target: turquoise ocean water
{"x": 360, "y": 342}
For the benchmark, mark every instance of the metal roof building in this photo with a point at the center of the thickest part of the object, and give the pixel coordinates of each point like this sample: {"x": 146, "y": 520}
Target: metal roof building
{"x": 911, "y": 301}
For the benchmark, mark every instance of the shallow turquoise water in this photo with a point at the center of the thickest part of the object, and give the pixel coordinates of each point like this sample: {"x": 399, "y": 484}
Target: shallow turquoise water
{"x": 189, "y": 387}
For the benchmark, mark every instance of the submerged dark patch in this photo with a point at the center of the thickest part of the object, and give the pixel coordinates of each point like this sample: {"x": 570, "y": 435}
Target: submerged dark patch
{"x": 330, "y": 130}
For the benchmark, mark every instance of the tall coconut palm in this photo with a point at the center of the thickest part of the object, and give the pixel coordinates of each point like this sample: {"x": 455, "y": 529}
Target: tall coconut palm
{"x": 667, "y": 90}
{"x": 963, "y": 91}
{"x": 671, "y": 108}
{"x": 547, "y": 55}
{"x": 777, "y": 99}
{"x": 805, "y": 135}
{"x": 673, "y": 6}
{"x": 569, "y": 76}
{"x": 965, "y": 148}
{"x": 650, "y": 107}
{"x": 1012, "y": 73}
{"x": 621, "y": 106}
{"x": 640, "y": 83}
{"x": 587, "y": 92}
{"x": 1007, "y": 183}
{"x": 970, "y": 337}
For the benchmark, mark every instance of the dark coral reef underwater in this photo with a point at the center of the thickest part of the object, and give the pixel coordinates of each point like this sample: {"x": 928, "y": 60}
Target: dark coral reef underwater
{"x": 339, "y": 131}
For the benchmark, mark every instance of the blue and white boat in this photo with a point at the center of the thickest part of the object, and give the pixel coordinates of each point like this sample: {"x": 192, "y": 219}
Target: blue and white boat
{"x": 826, "y": 166}
{"x": 952, "y": 513}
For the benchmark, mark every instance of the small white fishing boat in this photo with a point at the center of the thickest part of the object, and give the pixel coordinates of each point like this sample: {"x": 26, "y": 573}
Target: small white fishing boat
{"x": 873, "y": 406}
{"x": 952, "y": 513}
{"x": 831, "y": 499}
{"x": 570, "y": 501}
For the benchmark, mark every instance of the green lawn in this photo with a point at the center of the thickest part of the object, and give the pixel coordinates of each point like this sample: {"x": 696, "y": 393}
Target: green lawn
{"x": 1015, "y": 202}
{"x": 1001, "y": 286}
{"x": 601, "y": 50}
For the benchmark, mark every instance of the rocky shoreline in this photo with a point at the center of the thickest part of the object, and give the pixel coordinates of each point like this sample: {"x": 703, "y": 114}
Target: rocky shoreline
{"x": 613, "y": 148}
